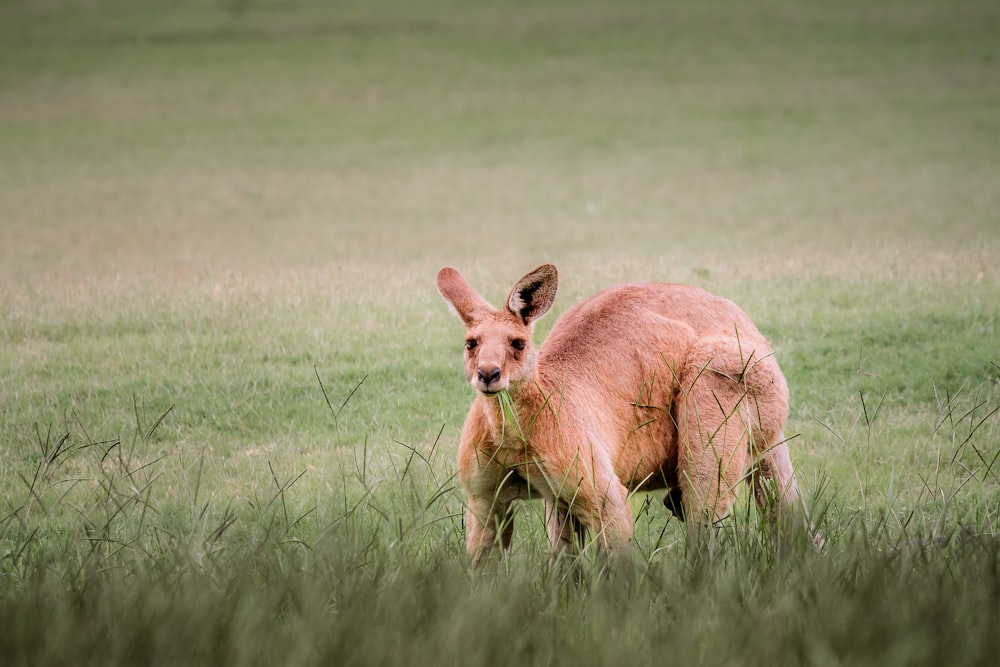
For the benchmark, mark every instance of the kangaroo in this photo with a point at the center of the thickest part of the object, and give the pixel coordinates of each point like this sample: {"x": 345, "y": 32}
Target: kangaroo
{"x": 643, "y": 386}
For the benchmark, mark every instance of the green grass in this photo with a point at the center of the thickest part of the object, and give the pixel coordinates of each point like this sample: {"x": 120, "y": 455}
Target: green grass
{"x": 230, "y": 395}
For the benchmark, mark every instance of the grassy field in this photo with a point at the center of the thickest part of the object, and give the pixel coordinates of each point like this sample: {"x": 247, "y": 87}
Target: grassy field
{"x": 230, "y": 395}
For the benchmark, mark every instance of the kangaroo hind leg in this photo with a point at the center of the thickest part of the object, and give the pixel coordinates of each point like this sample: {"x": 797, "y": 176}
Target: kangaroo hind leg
{"x": 713, "y": 427}
{"x": 774, "y": 487}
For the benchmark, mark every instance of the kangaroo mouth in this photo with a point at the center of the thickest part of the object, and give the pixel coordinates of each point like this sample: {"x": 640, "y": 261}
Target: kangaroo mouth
{"x": 489, "y": 390}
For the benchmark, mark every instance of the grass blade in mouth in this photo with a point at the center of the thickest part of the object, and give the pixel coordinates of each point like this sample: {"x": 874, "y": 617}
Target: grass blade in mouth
{"x": 510, "y": 414}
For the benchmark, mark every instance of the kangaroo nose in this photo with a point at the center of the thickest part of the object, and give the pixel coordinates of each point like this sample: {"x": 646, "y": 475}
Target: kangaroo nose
{"x": 489, "y": 375}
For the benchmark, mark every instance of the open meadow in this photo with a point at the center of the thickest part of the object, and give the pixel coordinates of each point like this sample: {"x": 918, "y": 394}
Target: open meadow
{"x": 231, "y": 395}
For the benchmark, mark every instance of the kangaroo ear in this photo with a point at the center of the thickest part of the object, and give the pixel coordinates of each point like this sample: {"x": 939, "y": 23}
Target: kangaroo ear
{"x": 463, "y": 300}
{"x": 534, "y": 294}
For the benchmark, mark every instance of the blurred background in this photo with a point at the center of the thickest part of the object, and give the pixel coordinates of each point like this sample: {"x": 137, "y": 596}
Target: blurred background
{"x": 165, "y": 138}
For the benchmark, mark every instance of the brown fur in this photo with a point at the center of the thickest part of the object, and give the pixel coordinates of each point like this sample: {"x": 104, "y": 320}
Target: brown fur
{"x": 643, "y": 386}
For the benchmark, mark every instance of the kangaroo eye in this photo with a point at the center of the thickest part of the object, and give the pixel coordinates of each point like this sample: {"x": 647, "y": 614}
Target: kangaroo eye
{"x": 471, "y": 344}
{"x": 518, "y": 343}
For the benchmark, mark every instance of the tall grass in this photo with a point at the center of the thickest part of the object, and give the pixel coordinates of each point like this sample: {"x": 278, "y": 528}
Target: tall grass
{"x": 101, "y": 568}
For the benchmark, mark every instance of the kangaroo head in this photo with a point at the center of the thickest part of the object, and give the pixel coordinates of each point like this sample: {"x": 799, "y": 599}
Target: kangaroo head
{"x": 499, "y": 353}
